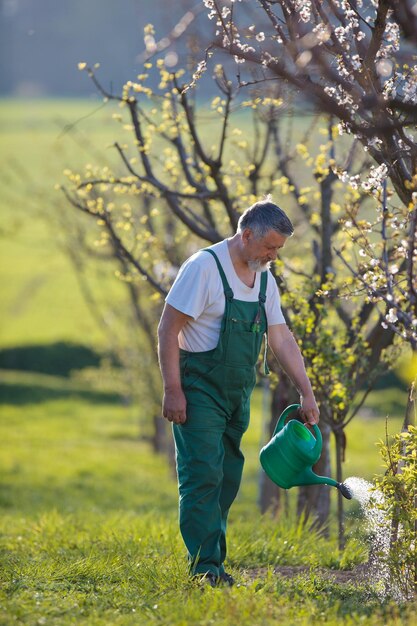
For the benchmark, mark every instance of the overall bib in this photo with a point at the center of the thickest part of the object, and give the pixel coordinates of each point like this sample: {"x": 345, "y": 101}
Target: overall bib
{"x": 217, "y": 385}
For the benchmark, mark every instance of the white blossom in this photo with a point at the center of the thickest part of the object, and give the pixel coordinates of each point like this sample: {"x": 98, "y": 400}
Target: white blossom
{"x": 267, "y": 58}
{"x": 209, "y": 4}
{"x": 391, "y": 316}
{"x": 322, "y": 33}
{"x": 374, "y": 142}
{"x": 201, "y": 68}
{"x": 344, "y": 177}
{"x": 341, "y": 34}
{"x": 390, "y": 89}
{"x": 410, "y": 88}
{"x": 375, "y": 178}
{"x": 303, "y": 8}
{"x": 392, "y": 36}
{"x": 305, "y": 14}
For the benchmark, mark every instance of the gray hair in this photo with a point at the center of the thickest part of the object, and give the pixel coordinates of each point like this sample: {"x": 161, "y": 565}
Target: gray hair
{"x": 264, "y": 216}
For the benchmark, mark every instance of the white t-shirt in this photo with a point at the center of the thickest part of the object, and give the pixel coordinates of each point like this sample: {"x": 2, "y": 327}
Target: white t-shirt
{"x": 198, "y": 292}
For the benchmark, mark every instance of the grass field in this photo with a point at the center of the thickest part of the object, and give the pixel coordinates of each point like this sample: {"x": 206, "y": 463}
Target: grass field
{"x": 88, "y": 528}
{"x": 88, "y": 525}
{"x": 41, "y": 300}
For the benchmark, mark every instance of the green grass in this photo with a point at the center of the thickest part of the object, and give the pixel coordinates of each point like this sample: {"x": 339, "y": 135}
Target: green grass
{"x": 88, "y": 524}
{"x": 41, "y": 299}
{"x": 88, "y": 529}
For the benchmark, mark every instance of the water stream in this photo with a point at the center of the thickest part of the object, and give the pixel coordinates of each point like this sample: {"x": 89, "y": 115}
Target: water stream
{"x": 378, "y": 530}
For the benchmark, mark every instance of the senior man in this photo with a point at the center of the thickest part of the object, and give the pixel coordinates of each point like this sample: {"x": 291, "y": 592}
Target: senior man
{"x": 222, "y": 303}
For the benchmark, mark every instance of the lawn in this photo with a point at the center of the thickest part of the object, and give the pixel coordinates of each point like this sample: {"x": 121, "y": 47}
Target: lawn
{"x": 89, "y": 533}
{"x": 41, "y": 298}
{"x": 88, "y": 525}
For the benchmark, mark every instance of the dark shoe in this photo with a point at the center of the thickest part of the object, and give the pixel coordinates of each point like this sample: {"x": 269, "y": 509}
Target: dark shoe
{"x": 209, "y": 578}
{"x": 227, "y": 579}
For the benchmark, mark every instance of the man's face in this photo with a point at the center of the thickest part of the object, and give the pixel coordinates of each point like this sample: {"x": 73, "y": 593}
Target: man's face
{"x": 260, "y": 253}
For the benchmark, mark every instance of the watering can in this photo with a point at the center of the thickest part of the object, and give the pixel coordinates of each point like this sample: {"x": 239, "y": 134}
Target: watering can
{"x": 289, "y": 457}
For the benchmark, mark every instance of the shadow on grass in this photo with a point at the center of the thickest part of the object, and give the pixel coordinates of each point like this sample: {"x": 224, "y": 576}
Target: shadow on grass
{"x": 56, "y": 359}
{"x": 20, "y": 394}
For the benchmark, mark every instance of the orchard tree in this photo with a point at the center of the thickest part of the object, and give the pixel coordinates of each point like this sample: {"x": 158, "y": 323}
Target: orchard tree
{"x": 354, "y": 59}
{"x": 385, "y": 268}
{"x": 344, "y": 56}
{"x": 183, "y": 178}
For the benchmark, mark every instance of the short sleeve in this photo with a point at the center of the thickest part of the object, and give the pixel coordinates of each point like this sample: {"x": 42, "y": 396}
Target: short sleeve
{"x": 273, "y": 303}
{"x": 189, "y": 293}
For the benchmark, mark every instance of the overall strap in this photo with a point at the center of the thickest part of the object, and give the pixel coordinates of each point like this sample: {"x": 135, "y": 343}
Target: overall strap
{"x": 262, "y": 300}
{"x": 256, "y": 324}
{"x": 226, "y": 287}
{"x": 262, "y": 290}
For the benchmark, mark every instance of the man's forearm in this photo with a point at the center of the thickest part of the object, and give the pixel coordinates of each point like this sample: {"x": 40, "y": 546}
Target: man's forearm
{"x": 174, "y": 401}
{"x": 289, "y": 356}
{"x": 287, "y": 353}
{"x": 169, "y": 358}
{"x": 292, "y": 363}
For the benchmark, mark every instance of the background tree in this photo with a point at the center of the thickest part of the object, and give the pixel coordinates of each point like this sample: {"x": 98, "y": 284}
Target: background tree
{"x": 176, "y": 190}
{"x": 345, "y": 57}
{"x": 384, "y": 269}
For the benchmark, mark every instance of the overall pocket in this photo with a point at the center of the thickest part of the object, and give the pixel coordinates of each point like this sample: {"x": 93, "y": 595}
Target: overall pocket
{"x": 243, "y": 345}
{"x": 193, "y": 370}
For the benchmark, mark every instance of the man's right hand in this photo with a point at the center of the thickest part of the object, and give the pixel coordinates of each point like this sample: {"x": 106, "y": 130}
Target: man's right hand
{"x": 174, "y": 406}
{"x": 174, "y": 402}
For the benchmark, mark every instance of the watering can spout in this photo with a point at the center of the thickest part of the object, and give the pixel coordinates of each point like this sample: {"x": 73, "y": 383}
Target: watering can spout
{"x": 308, "y": 477}
{"x": 345, "y": 491}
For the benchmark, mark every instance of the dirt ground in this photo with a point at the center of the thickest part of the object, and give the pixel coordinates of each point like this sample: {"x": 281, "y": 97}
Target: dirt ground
{"x": 358, "y": 574}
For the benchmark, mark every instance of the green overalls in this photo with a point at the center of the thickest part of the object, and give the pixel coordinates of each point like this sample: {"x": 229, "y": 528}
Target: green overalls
{"x": 217, "y": 385}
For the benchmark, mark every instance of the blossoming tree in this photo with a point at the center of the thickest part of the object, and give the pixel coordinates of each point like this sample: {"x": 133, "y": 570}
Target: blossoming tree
{"x": 182, "y": 178}
{"x": 354, "y": 59}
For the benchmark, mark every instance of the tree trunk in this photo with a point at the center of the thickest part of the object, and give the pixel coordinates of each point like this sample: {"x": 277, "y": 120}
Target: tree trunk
{"x": 340, "y": 453}
{"x": 159, "y": 435}
{"x": 162, "y": 439}
{"x": 315, "y": 500}
{"x": 410, "y": 413}
{"x": 410, "y": 420}
{"x": 269, "y": 493}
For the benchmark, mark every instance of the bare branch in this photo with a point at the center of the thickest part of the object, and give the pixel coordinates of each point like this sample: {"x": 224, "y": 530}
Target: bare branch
{"x": 175, "y": 33}
{"x": 122, "y": 251}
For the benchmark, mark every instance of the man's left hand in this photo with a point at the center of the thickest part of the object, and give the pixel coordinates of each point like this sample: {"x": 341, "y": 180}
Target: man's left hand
{"x": 309, "y": 410}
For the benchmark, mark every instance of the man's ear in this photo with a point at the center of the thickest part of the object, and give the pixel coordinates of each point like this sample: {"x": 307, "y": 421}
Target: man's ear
{"x": 246, "y": 235}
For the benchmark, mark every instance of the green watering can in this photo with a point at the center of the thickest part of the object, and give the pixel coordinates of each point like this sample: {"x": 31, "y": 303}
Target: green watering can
{"x": 290, "y": 455}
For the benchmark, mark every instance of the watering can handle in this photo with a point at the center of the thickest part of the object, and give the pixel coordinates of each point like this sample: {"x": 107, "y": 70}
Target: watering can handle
{"x": 283, "y": 417}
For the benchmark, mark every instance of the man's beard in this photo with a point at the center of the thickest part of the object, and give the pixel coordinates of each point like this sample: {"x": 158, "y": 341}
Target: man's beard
{"x": 258, "y": 266}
